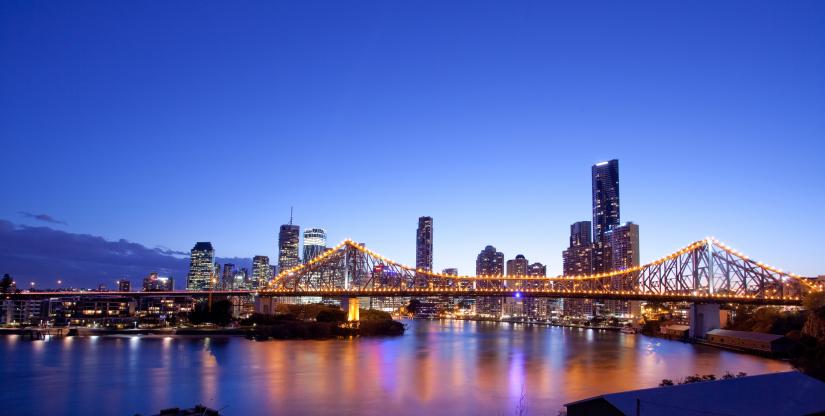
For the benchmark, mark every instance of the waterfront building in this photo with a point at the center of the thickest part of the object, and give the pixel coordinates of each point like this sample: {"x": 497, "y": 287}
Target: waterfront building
{"x": 315, "y": 243}
{"x": 539, "y": 309}
{"x": 261, "y": 272}
{"x": 288, "y": 240}
{"x": 577, "y": 260}
{"x": 489, "y": 262}
{"x": 623, "y": 242}
{"x": 201, "y": 267}
{"x": 124, "y": 285}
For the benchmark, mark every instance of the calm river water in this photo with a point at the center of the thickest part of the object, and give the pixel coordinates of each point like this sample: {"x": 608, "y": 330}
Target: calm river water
{"x": 437, "y": 367}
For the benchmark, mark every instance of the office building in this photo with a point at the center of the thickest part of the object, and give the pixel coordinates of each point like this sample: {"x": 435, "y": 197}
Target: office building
{"x": 201, "y": 267}
{"x": 124, "y": 285}
{"x": 288, "y": 240}
{"x": 261, "y": 272}
{"x": 315, "y": 243}
{"x": 227, "y": 275}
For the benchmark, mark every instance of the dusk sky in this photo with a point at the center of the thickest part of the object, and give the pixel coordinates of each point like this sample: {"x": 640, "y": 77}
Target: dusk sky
{"x": 164, "y": 124}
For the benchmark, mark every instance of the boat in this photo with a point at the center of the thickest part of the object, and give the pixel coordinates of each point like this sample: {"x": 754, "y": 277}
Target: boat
{"x": 627, "y": 330}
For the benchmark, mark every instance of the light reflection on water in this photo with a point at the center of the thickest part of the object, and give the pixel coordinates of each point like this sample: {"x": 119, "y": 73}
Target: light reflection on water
{"x": 438, "y": 367}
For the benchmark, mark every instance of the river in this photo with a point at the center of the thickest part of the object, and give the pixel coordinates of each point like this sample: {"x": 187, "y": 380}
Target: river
{"x": 437, "y": 367}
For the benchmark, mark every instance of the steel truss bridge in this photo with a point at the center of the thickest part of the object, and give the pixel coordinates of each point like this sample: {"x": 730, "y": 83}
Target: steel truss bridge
{"x": 706, "y": 271}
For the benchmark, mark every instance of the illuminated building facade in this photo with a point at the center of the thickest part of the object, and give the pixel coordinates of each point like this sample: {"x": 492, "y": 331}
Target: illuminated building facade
{"x": 424, "y": 244}
{"x": 577, "y": 260}
{"x": 155, "y": 283}
{"x": 605, "y": 189}
{"x": 261, "y": 272}
{"x": 288, "y": 240}
{"x": 124, "y": 285}
{"x": 489, "y": 262}
{"x": 201, "y": 267}
{"x": 315, "y": 243}
{"x": 623, "y": 241}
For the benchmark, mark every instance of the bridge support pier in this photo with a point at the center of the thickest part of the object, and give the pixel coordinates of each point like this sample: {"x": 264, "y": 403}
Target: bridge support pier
{"x": 353, "y": 306}
{"x": 703, "y": 318}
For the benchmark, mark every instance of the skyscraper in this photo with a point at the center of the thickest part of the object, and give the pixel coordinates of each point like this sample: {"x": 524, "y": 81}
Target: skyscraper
{"x": 288, "y": 240}
{"x": 623, "y": 242}
{"x": 580, "y": 234}
{"x": 517, "y": 266}
{"x": 424, "y": 244}
{"x": 201, "y": 267}
{"x": 228, "y": 275}
{"x": 605, "y": 190}
{"x": 514, "y": 307}
{"x": 261, "y": 272}
{"x": 577, "y": 260}
{"x": 315, "y": 243}
{"x": 538, "y": 309}
{"x": 537, "y": 270}
{"x": 489, "y": 262}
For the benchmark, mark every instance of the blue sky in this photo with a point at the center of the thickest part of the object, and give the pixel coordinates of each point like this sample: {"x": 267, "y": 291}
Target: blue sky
{"x": 166, "y": 123}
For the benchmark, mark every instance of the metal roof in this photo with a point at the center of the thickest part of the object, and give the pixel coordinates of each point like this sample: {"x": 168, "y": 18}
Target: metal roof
{"x": 753, "y": 336}
{"x": 788, "y": 393}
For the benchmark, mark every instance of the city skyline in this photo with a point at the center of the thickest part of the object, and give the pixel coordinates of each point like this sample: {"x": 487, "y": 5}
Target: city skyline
{"x": 289, "y": 239}
{"x": 736, "y": 127}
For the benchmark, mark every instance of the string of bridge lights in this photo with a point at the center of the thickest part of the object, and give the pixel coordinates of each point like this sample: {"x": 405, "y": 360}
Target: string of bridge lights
{"x": 705, "y": 242}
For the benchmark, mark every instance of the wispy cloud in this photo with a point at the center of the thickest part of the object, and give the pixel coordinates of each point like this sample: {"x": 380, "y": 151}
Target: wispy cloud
{"x": 42, "y": 217}
{"x": 45, "y": 254}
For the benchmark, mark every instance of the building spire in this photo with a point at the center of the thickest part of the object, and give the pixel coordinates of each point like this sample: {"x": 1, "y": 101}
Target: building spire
{"x": 290, "y": 215}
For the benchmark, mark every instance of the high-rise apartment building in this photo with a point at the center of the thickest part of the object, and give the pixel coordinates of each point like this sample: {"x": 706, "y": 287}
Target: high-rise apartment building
{"x": 623, "y": 241}
{"x": 489, "y": 262}
{"x": 514, "y": 307}
{"x": 315, "y": 243}
{"x": 201, "y": 267}
{"x": 538, "y": 309}
{"x": 605, "y": 190}
{"x": 577, "y": 260}
{"x": 424, "y": 244}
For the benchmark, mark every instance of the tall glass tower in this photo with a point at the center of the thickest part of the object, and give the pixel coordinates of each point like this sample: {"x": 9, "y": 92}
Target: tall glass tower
{"x": 288, "y": 240}
{"x": 605, "y": 176}
{"x": 424, "y": 244}
{"x": 201, "y": 267}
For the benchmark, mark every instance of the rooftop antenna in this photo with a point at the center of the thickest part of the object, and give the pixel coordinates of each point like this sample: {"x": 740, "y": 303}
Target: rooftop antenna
{"x": 290, "y": 215}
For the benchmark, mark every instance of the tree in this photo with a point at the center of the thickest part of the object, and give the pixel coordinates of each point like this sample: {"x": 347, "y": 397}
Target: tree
{"x": 331, "y": 315}
{"x": 7, "y": 284}
{"x": 414, "y": 306}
